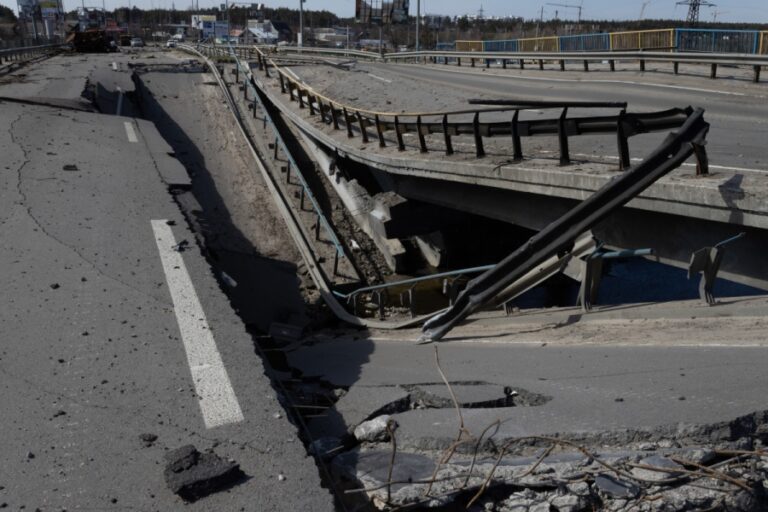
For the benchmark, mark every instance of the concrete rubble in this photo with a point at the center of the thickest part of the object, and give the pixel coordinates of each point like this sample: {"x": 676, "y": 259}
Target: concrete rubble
{"x": 563, "y": 480}
{"x": 193, "y": 475}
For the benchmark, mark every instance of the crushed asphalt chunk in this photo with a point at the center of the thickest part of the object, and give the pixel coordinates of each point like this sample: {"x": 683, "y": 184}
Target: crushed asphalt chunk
{"x": 193, "y": 475}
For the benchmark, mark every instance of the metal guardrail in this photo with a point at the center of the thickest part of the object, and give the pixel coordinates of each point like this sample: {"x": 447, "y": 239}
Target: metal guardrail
{"x": 313, "y": 265}
{"x": 504, "y": 58}
{"x": 359, "y": 121}
{"x": 677, "y": 147}
{"x": 559, "y": 237}
{"x": 306, "y": 191}
{"x": 24, "y": 52}
{"x": 539, "y": 50}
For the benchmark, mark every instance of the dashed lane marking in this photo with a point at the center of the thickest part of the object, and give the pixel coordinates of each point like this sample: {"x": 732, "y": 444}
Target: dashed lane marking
{"x": 130, "y": 132}
{"x": 218, "y": 402}
{"x": 379, "y": 78}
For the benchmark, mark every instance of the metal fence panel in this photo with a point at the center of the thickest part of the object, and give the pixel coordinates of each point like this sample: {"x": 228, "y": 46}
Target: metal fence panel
{"x": 717, "y": 41}
{"x": 469, "y": 46}
{"x": 539, "y": 44}
{"x": 763, "y": 46}
{"x": 585, "y": 43}
{"x": 507, "y": 45}
{"x": 661, "y": 39}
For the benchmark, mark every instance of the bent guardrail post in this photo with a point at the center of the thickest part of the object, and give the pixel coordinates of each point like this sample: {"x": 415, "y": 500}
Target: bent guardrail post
{"x": 560, "y": 235}
{"x": 707, "y": 261}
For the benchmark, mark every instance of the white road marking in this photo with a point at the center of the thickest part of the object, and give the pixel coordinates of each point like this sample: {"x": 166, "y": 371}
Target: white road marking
{"x": 218, "y": 402}
{"x": 379, "y": 78}
{"x": 130, "y": 132}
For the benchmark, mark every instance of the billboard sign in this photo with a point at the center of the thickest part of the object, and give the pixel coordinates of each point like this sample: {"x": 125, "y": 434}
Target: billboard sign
{"x": 49, "y": 9}
{"x": 207, "y": 28}
{"x": 221, "y": 29}
{"x": 382, "y": 12}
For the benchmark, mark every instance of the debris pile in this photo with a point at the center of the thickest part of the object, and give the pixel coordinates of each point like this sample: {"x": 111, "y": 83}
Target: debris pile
{"x": 562, "y": 477}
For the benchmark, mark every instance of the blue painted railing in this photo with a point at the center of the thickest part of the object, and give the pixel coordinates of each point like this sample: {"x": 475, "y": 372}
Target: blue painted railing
{"x": 585, "y": 43}
{"x": 679, "y": 39}
{"x": 717, "y": 41}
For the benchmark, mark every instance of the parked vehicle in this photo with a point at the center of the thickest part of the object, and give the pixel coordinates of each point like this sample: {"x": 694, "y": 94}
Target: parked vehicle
{"x": 136, "y": 42}
{"x": 171, "y": 43}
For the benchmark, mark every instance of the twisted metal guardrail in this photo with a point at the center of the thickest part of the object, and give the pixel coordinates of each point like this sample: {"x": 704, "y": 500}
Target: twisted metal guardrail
{"x": 678, "y": 147}
{"x": 560, "y": 236}
{"x": 357, "y": 121}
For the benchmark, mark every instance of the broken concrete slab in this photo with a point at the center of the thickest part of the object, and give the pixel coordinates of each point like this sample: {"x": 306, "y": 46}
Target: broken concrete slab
{"x": 374, "y": 430}
{"x": 359, "y": 404}
{"x": 657, "y": 461}
{"x": 615, "y": 488}
{"x": 193, "y": 475}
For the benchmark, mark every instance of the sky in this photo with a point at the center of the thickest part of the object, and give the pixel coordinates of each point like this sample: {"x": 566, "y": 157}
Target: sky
{"x": 755, "y": 11}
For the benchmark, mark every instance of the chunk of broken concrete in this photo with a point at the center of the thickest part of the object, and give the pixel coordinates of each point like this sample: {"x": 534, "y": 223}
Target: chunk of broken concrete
{"x": 616, "y": 488}
{"x": 660, "y": 464}
{"x": 193, "y": 475}
{"x": 374, "y": 430}
{"x": 699, "y": 455}
{"x": 568, "y": 503}
{"x": 148, "y": 439}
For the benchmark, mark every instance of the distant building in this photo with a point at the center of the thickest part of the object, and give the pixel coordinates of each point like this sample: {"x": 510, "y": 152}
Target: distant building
{"x": 261, "y": 32}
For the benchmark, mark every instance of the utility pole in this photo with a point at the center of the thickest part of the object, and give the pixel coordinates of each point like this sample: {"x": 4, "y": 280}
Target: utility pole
{"x": 541, "y": 20}
{"x": 694, "y": 6}
{"x": 570, "y": 6}
{"x": 418, "y": 24}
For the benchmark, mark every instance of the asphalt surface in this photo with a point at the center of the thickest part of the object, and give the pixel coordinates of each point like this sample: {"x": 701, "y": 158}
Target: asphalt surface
{"x": 739, "y": 116}
{"x": 105, "y": 337}
{"x": 594, "y": 389}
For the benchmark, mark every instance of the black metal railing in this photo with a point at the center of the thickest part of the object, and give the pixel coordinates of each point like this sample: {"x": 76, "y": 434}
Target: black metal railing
{"x": 369, "y": 124}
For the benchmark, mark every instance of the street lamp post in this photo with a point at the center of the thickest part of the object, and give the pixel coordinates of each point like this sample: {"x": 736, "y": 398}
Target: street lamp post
{"x": 418, "y": 24}
{"x": 301, "y": 23}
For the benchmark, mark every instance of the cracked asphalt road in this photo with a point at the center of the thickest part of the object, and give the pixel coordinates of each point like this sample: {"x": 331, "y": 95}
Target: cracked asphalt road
{"x": 91, "y": 355}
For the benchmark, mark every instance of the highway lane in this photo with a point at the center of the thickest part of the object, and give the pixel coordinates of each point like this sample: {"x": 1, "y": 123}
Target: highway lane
{"x": 739, "y": 122}
{"x": 101, "y": 342}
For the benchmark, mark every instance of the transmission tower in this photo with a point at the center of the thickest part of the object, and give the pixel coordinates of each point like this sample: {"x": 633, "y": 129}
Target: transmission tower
{"x": 694, "y": 6}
